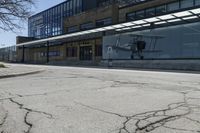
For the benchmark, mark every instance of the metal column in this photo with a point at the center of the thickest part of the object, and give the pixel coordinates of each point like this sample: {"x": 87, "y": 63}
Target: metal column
{"x": 47, "y": 51}
{"x": 23, "y": 54}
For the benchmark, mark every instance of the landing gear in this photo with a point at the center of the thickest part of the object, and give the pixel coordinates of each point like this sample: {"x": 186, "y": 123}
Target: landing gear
{"x": 138, "y": 48}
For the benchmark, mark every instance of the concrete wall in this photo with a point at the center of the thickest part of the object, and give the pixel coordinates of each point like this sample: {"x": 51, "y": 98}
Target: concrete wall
{"x": 176, "y": 42}
{"x": 189, "y": 65}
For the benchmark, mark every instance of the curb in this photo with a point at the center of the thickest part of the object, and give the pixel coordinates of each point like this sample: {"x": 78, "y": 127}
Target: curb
{"x": 21, "y": 74}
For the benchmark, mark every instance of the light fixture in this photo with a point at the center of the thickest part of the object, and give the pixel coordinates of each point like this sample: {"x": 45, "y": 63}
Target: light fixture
{"x": 79, "y": 33}
{"x": 126, "y": 28}
{"x": 182, "y": 14}
{"x": 174, "y": 20}
{"x": 150, "y": 20}
{"x": 145, "y": 25}
{"x": 134, "y": 27}
{"x": 85, "y": 32}
{"x": 195, "y": 11}
{"x": 162, "y": 22}
{"x": 128, "y": 24}
{"x": 73, "y": 34}
{"x": 118, "y": 30}
{"x": 166, "y": 17}
{"x": 139, "y": 22}
{"x": 94, "y": 30}
{"x": 100, "y": 29}
{"x": 192, "y": 17}
{"x": 118, "y": 26}
{"x": 109, "y": 28}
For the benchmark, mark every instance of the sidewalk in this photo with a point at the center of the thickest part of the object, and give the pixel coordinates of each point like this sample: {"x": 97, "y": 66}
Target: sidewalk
{"x": 13, "y": 70}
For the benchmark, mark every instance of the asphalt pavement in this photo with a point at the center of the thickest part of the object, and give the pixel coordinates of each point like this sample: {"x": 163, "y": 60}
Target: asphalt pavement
{"x": 92, "y": 100}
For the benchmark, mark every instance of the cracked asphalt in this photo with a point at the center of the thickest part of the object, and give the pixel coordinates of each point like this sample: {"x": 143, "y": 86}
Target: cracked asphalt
{"x": 91, "y": 100}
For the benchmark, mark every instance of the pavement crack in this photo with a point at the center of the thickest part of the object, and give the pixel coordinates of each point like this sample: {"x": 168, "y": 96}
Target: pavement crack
{"x": 100, "y": 110}
{"x": 30, "y": 125}
{"x": 21, "y": 106}
{"x": 181, "y": 129}
{"x": 124, "y": 128}
{"x": 153, "y": 125}
{"x": 151, "y": 120}
{"x": 196, "y": 121}
{"x": 4, "y": 119}
{"x": 15, "y": 96}
{"x": 28, "y": 111}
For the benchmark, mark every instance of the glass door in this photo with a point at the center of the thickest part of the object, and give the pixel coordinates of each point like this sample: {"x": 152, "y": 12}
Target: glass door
{"x": 86, "y": 53}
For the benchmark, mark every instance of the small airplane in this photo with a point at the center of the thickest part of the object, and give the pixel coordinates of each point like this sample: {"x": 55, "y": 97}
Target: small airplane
{"x": 138, "y": 44}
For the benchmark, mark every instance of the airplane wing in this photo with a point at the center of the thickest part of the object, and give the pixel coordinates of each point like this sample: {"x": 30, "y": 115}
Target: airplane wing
{"x": 120, "y": 48}
{"x": 147, "y": 36}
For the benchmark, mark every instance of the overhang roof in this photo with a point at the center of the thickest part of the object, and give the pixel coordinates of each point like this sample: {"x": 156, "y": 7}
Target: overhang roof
{"x": 171, "y": 18}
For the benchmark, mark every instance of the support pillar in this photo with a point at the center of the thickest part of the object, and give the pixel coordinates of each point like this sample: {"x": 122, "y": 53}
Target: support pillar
{"x": 23, "y": 54}
{"x": 47, "y": 52}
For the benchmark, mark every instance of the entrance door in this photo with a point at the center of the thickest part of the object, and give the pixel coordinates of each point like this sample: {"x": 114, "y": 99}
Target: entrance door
{"x": 86, "y": 53}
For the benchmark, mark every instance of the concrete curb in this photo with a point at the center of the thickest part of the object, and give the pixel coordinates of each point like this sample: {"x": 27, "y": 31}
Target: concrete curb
{"x": 21, "y": 74}
{"x": 183, "y": 65}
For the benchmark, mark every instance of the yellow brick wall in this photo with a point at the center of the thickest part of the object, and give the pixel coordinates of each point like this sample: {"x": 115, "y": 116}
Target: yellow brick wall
{"x": 92, "y": 16}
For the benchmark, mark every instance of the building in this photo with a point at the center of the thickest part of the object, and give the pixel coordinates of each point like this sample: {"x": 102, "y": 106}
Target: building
{"x": 75, "y": 31}
{"x": 8, "y": 54}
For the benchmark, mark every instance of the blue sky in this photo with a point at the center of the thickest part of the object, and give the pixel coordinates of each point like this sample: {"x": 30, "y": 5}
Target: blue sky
{"x": 9, "y": 38}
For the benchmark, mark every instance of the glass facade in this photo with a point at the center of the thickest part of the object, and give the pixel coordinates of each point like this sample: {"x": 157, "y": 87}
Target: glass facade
{"x": 104, "y": 22}
{"x": 50, "y": 22}
{"x": 72, "y": 29}
{"x": 87, "y": 26}
{"x": 162, "y": 9}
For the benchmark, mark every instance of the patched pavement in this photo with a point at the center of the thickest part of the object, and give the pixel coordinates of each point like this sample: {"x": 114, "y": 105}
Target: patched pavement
{"x": 90, "y": 100}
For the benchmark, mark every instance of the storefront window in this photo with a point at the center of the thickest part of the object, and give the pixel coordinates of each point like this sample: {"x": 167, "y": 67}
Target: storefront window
{"x": 197, "y": 2}
{"x": 72, "y": 29}
{"x": 161, "y": 9}
{"x": 150, "y": 12}
{"x": 186, "y": 3}
{"x": 173, "y": 6}
{"x": 104, "y": 22}
{"x": 130, "y": 16}
{"x": 72, "y": 52}
{"x": 87, "y": 26}
{"x": 140, "y": 14}
{"x": 54, "y": 53}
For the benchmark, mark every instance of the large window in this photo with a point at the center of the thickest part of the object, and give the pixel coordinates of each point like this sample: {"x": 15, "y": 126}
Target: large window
{"x": 131, "y": 16}
{"x": 173, "y": 6}
{"x": 51, "y": 54}
{"x": 72, "y": 29}
{"x": 150, "y": 12}
{"x": 197, "y": 2}
{"x": 104, "y": 22}
{"x": 54, "y": 53}
{"x": 50, "y": 22}
{"x": 72, "y": 52}
{"x": 162, "y": 9}
{"x": 186, "y": 3}
{"x": 140, "y": 14}
{"x": 87, "y": 26}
